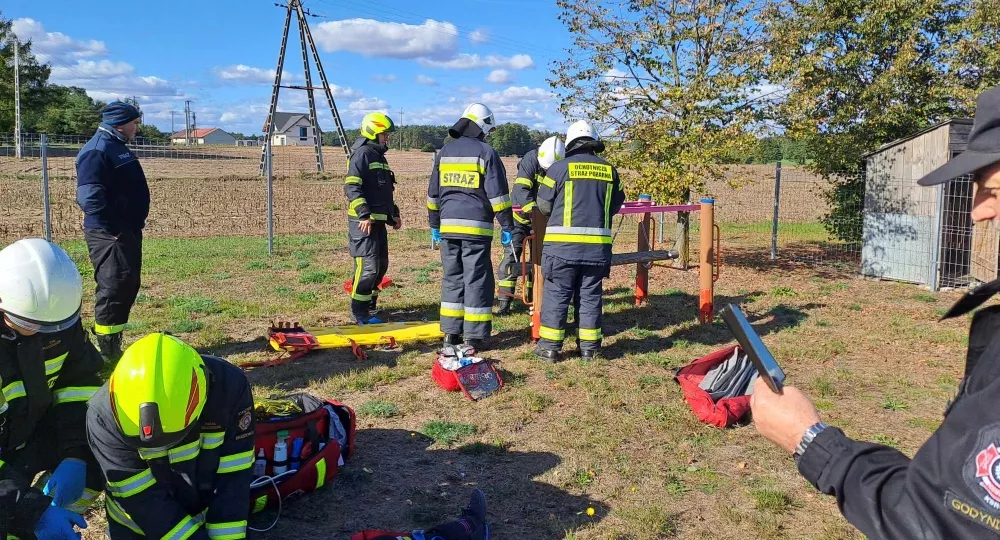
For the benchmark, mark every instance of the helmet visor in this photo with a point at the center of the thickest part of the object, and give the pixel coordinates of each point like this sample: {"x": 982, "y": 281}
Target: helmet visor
{"x": 43, "y": 327}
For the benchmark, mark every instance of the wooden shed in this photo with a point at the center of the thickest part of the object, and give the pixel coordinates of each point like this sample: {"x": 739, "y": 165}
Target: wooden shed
{"x": 920, "y": 234}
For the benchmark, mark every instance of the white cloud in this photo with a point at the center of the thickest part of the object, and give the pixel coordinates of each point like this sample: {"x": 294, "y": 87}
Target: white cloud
{"x": 424, "y": 79}
{"x": 369, "y": 37}
{"x": 367, "y": 105}
{"x": 384, "y": 78}
{"x": 475, "y": 61}
{"x": 614, "y": 74}
{"x": 56, "y": 46}
{"x": 517, "y": 94}
{"x": 241, "y": 73}
{"x": 500, "y": 76}
{"x": 89, "y": 69}
{"x": 340, "y": 92}
{"x": 479, "y": 35}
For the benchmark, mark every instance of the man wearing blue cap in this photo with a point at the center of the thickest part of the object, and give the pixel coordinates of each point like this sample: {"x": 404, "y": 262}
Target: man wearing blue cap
{"x": 113, "y": 194}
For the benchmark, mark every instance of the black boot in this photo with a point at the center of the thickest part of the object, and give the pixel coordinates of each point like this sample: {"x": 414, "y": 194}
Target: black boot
{"x": 478, "y": 344}
{"x": 588, "y": 354}
{"x": 452, "y": 339}
{"x": 475, "y": 515}
{"x": 110, "y": 346}
{"x": 504, "y": 307}
{"x": 548, "y": 355}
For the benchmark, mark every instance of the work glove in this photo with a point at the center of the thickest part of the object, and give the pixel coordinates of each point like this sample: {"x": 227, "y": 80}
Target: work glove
{"x": 57, "y": 524}
{"x": 66, "y": 484}
{"x": 506, "y": 238}
{"x": 436, "y": 235}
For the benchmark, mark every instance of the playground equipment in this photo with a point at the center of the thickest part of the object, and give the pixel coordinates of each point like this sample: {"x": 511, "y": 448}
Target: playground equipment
{"x": 295, "y": 341}
{"x": 643, "y": 258}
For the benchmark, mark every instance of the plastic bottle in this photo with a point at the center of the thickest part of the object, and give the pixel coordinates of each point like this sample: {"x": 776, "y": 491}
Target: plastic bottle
{"x": 296, "y": 453}
{"x": 281, "y": 454}
{"x": 260, "y": 466}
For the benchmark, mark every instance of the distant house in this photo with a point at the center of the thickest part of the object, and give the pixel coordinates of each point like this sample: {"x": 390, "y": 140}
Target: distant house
{"x": 204, "y": 136}
{"x": 292, "y": 129}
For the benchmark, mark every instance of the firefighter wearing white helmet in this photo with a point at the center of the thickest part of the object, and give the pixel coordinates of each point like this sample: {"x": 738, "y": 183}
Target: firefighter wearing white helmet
{"x": 530, "y": 169}
{"x": 369, "y": 187}
{"x": 466, "y": 192}
{"x": 580, "y": 194}
{"x": 48, "y": 371}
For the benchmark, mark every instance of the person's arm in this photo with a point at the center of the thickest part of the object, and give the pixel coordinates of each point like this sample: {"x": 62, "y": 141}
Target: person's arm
{"x": 433, "y": 190}
{"x": 134, "y": 498}
{"x": 547, "y": 188}
{"x": 617, "y": 193}
{"x": 91, "y": 190}
{"x": 354, "y": 185}
{"x": 77, "y": 381}
{"x": 868, "y": 480}
{"x": 497, "y": 190}
{"x": 521, "y": 193}
{"x": 229, "y": 508}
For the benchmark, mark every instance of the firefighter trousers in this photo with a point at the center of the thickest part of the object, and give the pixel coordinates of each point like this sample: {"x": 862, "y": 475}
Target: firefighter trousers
{"x": 117, "y": 267}
{"x": 39, "y": 455}
{"x": 371, "y": 261}
{"x": 467, "y": 288}
{"x": 510, "y": 266}
{"x": 562, "y": 280}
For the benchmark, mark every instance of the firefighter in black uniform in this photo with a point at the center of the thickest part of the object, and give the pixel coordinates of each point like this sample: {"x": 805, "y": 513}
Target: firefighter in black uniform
{"x": 173, "y": 431}
{"x": 369, "y": 186}
{"x": 48, "y": 371}
{"x": 467, "y": 189}
{"x": 951, "y": 487}
{"x": 579, "y": 194}
{"x": 530, "y": 170}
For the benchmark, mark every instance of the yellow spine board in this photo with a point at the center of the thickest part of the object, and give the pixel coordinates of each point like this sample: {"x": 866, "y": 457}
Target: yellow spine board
{"x": 372, "y": 334}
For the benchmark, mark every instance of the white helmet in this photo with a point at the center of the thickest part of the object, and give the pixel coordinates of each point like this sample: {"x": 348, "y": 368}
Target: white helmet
{"x": 40, "y": 287}
{"x": 551, "y": 151}
{"x": 482, "y": 116}
{"x": 580, "y": 129}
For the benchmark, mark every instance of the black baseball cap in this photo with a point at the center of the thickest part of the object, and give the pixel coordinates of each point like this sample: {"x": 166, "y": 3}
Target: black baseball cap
{"x": 984, "y": 143}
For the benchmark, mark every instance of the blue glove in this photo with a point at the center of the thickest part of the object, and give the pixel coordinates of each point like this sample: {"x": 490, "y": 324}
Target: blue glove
{"x": 506, "y": 238}
{"x": 436, "y": 235}
{"x": 66, "y": 484}
{"x": 57, "y": 524}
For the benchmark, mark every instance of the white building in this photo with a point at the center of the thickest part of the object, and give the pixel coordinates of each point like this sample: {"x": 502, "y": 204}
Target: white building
{"x": 204, "y": 136}
{"x": 292, "y": 129}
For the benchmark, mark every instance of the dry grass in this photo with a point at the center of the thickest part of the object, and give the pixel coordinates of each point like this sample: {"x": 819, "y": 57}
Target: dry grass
{"x": 614, "y": 434}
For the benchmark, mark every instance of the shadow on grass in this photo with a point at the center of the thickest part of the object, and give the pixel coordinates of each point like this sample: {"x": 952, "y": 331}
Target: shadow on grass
{"x": 820, "y": 259}
{"x": 412, "y": 486}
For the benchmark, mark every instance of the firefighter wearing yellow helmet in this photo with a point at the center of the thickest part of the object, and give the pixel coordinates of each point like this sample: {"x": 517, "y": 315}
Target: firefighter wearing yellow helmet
{"x": 48, "y": 371}
{"x": 370, "y": 207}
{"x": 173, "y": 433}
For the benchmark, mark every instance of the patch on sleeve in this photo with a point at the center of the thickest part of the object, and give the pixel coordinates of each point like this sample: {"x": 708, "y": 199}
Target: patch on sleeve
{"x": 981, "y": 471}
{"x": 245, "y": 420}
{"x": 973, "y": 512}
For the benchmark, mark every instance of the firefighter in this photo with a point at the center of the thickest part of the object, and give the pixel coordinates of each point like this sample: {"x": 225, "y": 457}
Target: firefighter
{"x": 369, "y": 186}
{"x": 173, "y": 431}
{"x": 113, "y": 194}
{"x": 530, "y": 169}
{"x": 951, "y": 487}
{"x": 467, "y": 189}
{"x": 579, "y": 194}
{"x": 48, "y": 370}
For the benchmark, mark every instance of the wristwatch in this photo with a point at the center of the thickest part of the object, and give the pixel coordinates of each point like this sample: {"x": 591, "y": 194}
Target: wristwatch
{"x": 810, "y": 434}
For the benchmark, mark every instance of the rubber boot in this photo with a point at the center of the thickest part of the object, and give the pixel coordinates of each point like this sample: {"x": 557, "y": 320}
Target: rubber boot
{"x": 110, "y": 346}
{"x": 548, "y": 355}
{"x": 478, "y": 344}
{"x": 452, "y": 339}
{"x": 504, "y": 307}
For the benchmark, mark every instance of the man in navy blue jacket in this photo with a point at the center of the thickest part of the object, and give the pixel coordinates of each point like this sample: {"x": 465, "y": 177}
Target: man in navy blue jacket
{"x": 113, "y": 194}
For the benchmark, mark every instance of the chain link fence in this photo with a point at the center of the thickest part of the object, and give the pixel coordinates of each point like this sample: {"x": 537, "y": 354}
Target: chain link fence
{"x": 885, "y": 227}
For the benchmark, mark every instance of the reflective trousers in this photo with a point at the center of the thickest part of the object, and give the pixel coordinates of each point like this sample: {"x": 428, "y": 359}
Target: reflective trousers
{"x": 371, "y": 261}
{"x": 467, "y": 288}
{"x": 117, "y": 267}
{"x": 562, "y": 280}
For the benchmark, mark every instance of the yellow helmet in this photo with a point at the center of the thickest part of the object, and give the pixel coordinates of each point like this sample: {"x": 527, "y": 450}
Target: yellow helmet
{"x": 374, "y": 123}
{"x": 158, "y": 390}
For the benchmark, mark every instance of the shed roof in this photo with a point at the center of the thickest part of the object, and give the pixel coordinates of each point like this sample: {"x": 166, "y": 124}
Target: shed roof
{"x": 897, "y": 142}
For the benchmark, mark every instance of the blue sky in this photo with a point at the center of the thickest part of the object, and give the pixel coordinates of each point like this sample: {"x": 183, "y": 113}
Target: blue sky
{"x": 430, "y": 59}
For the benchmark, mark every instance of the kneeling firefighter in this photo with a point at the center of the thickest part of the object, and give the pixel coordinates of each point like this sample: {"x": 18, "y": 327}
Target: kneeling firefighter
{"x": 48, "y": 370}
{"x": 580, "y": 194}
{"x": 173, "y": 431}
{"x": 530, "y": 170}
{"x": 369, "y": 186}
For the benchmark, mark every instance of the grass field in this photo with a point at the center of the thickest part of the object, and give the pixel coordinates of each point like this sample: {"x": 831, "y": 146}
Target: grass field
{"x": 613, "y": 435}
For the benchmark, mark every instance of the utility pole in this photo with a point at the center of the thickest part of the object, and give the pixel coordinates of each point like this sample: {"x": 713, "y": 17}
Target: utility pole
{"x": 17, "y": 98}
{"x": 194, "y": 126}
{"x": 172, "y": 123}
{"x": 400, "y": 129}
{"x": 187, "y": 122}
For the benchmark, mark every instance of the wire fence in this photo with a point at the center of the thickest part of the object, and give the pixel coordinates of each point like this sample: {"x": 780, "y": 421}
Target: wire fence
{"x": 884, "y": 227}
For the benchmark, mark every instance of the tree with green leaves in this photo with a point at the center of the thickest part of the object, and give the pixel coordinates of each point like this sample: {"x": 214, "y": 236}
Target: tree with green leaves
{"x": 33, "y": 78}
{"x": 671, "y": 83}
{"x": 862, "y": 74}
{"x": 511, "y": 139}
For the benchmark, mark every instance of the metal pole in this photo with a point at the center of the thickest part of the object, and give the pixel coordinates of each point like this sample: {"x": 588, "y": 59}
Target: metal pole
{"x": 270, "y": 196}
{"x": 17, "y": 99}
{"x": 45, "y": 187}
{"x": 774, "y": 221}
{"x": 937, "y": 232}
{"x": 659, "y": 226}
{"x": 708, "y": 262}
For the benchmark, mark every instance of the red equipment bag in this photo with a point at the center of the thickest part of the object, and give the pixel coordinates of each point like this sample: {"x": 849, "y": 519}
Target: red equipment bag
{"x": 371, "y": 535}
{"x": 722, "y": 413}
{"x": 318, "y": 466}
